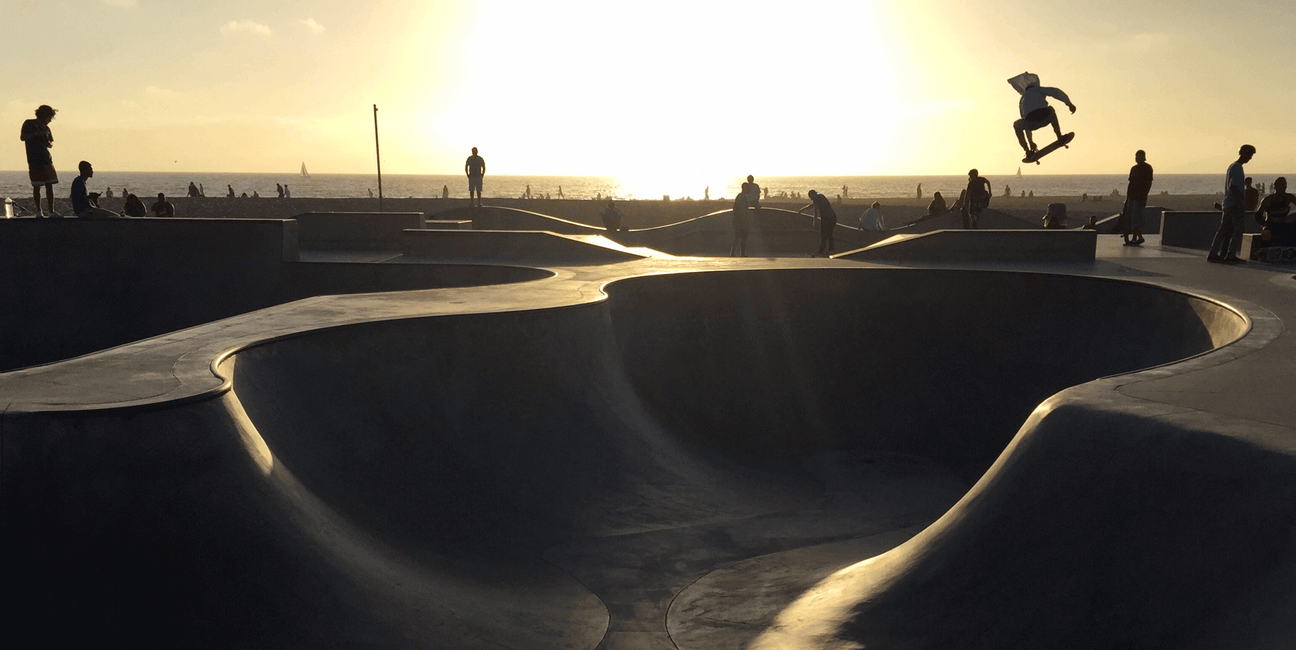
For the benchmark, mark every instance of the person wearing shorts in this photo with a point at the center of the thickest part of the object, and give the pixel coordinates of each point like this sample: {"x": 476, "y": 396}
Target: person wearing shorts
{"x": 977, "y": 199}
{"x": 827, "y": 220}
{"x": 475, "y": 168}
{"x": 1136, "y": 195}
{"x": 37, "y": 136}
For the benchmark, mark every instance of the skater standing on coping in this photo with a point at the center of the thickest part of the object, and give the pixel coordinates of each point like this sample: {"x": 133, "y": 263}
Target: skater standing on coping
{"x": 37, "y": 136}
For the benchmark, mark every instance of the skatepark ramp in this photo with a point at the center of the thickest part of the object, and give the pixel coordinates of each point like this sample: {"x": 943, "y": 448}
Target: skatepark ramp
{"x": 517, "y": 246}
{"x": 398, "y": 482}
{"x": 981, "y": 246}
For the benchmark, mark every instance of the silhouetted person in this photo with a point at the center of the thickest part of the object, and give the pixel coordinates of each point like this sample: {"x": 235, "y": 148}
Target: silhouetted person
{"x": 1034, "y": 109}
{"x": 741, "y": 226}
{"x": 445, "y": 191}
{"x": 753, "y": 192}
{"x": 872, "y": 219}
{"x": 475, "y": 168}
{"x": 977, "y": 199}
{"x": 845, "y": 192}
{"x": 1277, "y": 213}
{"x": 1007, "y": 191}
{"x": 706, "y": 194}
{"x": 1252, "y": 196}
{"x": 827, "y": 217}
{"x": 920, "y": 190}
{"x": 527, "y": 195}
{"x": 108, "y": 192}
{"x": 937, "y": 205}
{"x": 193, "y": 190}
{"x": 612, "y": 216}
{"x": 370, "y": 192}
{"x": 134, "y": 207}
{"x": 163, "y": 207}
{"x": 1228, "y": 240}
{"x": 560, "y": 194}
{"x": 38, "y": 138}
{"x": 279, "y": 189}
{"x": 1136, "y": 193}
{"x": 287, "y": 193}
{"x": 231, "y": 191}
{"x": 85, "y": 205}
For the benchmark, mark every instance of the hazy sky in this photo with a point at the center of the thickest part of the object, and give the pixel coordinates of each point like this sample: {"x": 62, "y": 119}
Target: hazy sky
{"x": 667, "y": 89}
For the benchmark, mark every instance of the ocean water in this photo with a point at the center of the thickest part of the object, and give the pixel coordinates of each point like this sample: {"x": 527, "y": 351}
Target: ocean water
{"x": 147, "y": 184}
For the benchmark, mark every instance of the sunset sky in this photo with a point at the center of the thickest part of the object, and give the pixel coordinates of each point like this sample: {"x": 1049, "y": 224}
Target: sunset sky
{"x": 663, "y": 89}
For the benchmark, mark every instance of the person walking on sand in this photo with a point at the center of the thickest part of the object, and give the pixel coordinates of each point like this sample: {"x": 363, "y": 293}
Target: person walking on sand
{"x": 741, "y": 226}
{"x": 475, "y": 168}
{"x": 38, "y": 138}
{"x": 827, "y": 220}
{"x": 1136, "y": 193}
{"x": 1228, "y": 240}
{"x": 977, "y": 199}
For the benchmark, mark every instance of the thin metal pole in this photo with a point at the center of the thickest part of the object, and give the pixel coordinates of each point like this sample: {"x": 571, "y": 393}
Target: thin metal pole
{"x": 378, "y": 153}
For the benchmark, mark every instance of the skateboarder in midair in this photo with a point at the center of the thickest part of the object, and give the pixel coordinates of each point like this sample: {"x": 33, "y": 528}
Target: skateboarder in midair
{"x": 1035, "y": 111}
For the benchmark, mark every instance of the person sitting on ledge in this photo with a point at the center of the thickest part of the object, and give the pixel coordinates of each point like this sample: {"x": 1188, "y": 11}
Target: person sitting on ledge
{"x": 86, "y": 205}
{"x": 612, "y": 217}
{"x": 1275, "y": 214}
{"x": 937, "y": 205}
{"x": 134, "y": 207}
{"x": 163, "y": 207}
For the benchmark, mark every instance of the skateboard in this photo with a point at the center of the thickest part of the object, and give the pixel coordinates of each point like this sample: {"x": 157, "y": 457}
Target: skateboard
{"x": 1034, "y": 156}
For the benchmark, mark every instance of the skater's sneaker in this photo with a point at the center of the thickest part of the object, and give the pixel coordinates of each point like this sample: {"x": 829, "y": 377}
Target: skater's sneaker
{"x": 1214, "y": 259}
{"x": 55, "y": 215}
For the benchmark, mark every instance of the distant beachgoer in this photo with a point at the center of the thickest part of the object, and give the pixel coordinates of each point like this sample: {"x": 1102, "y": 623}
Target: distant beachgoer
{"x": 39, "y": 139}
{"x": 560, "y": 194}
{"x": 706, "y": 194}
{"x": 86, "y": 205}
{"x": 1031, "y": 194}
{"x": 163, "y": 207}
{"x": 872, "y": 219}
{"x": 202, "y": 192}
{"x": 845, "y": 192}
{"x": 371, "y": 192}
{"x": 527, "y": 195}
{"x": 287, "y": 192}
{"x": 741, "y": 226}
{"x": 920, "y": 190}
{"x": 134, "y": 207}
{"x": 978, "y": 199}
{"x": 1262, "y": 189}
{"x": 244, "y": 195}
{"x": 475, "y": 168}
{"x": 279, "y": 189}
{"x": 1277, "y": 215}
{"x": 193, "y": 190}
{"x": 255, "y": 194}
{"x": 1056, "y": 216}
{"x": 765, "y": 190}
{"x": 1023, "y": 194}
{"x": 1228, "y": 240}
{"x": 231, "y": 191}
{"x": 753, "y": 192}
{"x": 1035, "y": 111}
{"x": 827, "y": 220}
{"x": 612, "y": 216}
{"x": 108, "y": 192}
{"x": 445, "y": 191}
{"x": 1007, "y": 191}
{"x": 1252, "y": 196}
{"x": 937, "y": 205}
{"x": 1136, "y": 194}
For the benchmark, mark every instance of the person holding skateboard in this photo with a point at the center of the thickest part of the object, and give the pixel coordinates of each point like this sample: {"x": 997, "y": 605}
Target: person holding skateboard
{"x": 1037, "y": 114}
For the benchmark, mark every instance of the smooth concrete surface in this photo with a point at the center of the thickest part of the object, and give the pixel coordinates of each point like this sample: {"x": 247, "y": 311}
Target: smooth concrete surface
{"x": 680, "y": 453}
{"x": 514, "y": 246}
{"x": 1196, "y": 229}
{"x": 448, "y": 224}
{"x": 981, "y": 246}
{"x": 355, "y": 230}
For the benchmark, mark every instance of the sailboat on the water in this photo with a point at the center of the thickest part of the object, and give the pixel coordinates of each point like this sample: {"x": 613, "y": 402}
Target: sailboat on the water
{"x": 1018, "y": 170}
{"x": 306, "y": 175}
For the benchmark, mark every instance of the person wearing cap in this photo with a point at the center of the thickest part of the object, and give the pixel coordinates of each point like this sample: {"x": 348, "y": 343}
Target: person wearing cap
{"x": 1227, "y": 244}
{"x": 1228, "y": 240}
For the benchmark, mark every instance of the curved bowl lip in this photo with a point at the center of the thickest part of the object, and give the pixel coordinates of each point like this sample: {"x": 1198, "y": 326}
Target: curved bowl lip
{"x": 1270, "y": 327}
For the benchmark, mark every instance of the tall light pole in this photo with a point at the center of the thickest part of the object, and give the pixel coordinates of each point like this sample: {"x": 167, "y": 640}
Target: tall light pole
{"x": 378, "y": 153}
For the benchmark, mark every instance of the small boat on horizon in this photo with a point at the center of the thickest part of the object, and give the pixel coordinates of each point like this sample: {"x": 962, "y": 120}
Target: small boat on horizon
{"x": 306, "y": 175}
{"x": 1018, "y": 170}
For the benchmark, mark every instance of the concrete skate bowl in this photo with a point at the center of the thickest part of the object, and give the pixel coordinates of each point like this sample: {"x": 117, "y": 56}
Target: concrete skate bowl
{"x": 990, "y": 219}
{"x": 500, "y": 218}
{"x": 470, "y": 444}
{"x": 397, "y": 483}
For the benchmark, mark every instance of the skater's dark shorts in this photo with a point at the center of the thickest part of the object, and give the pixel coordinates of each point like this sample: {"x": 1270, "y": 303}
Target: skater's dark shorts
{"x": 42, "y": 174}
{"x": 1039, "y": 118}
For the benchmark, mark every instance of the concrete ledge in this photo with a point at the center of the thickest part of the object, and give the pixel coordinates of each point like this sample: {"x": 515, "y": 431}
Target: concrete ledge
{"x": 535, "y": 246}
{"x": 448, "y": 224}
{"x": 355, "y": 230}
{"x": 982, "y": 246}
{"x": 1196, "y": 229}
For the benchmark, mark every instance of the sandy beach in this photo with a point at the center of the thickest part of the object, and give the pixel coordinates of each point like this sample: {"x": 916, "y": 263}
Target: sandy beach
{"x": 644, "y": 213}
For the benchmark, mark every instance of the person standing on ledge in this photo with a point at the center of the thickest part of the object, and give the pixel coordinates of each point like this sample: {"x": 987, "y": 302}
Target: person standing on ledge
{"x": 827, "y": 220}
{"x": 39, "y": 139}
{"x": 475, "y": 168}
{"x": 1228, "y": 240}
{"x": 1140, "y": 183}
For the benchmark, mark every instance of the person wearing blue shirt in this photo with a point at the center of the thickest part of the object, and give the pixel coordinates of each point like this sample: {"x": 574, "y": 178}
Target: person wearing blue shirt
{"x": 81, "y": 201}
